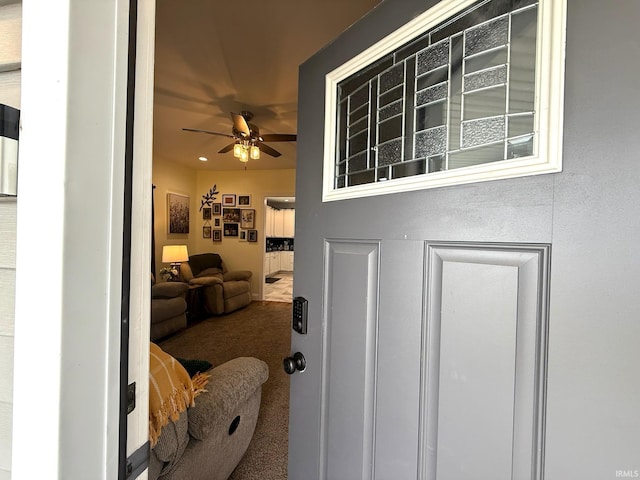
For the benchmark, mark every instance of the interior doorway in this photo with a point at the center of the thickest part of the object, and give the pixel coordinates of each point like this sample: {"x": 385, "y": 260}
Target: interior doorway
{"x": 278, "y": 260}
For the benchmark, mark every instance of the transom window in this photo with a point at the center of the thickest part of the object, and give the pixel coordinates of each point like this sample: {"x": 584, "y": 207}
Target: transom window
{"x": 458, "y": 101}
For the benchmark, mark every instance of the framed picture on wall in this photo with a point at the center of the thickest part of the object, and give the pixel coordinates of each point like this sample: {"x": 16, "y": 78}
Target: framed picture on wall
{"x": 229, "y": 200}
{"x": 243, "y": 235}
{"x": 248, "y": 218}
{"x": 178, "y": 211}
{"x": 252, "y": 235}
{"x": 217, "y": 235}
{"x": 231, "y": 229}
{"x": 206, "y": 231}
{"x": 244, "y": 200}
{"x": 231, "y": 215}
{"x": 217, "y": 208}
{"x": 216, "y": 222}
{"x": 206, "y": 213}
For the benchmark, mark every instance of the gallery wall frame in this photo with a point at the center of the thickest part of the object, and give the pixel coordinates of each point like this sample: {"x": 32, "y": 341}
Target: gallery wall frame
{"x": 231, "y": 215}
{"x": 248, "y": 218}
{"x": 217, "y": 235}
{"x": 231, "y": 229}
{"x": 244, "y": 200}
{"x": 178, "y": 213}
{"x": 216, "y": 208}
{"x": 229, "y": 200}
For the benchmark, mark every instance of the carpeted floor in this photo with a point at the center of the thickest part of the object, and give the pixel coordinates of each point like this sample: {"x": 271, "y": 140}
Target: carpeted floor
{"x": 261, "y": 330}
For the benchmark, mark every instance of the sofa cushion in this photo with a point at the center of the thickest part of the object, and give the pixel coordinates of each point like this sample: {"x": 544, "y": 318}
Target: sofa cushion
{"x": 206, "y": 281}
{"x": 202, "y": 261}
{"x": 210, "y": 272}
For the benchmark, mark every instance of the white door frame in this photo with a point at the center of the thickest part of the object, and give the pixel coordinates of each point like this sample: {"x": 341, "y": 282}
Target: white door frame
{"x": 69, "y": 237}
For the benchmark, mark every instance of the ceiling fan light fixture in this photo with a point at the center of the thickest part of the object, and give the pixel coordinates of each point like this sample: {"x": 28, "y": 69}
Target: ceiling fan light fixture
{"x": 247, "y": 142}
{"x": 237, "y": 150}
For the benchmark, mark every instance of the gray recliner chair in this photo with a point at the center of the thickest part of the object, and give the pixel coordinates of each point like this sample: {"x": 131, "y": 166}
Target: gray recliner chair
{"x": 168, "y": 308}
{"x": 209, "y": 439}
{"x": 223, "y": 291}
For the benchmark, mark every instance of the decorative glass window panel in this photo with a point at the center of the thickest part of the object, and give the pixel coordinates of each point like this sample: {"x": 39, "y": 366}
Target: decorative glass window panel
{"x": 468, "y": 91}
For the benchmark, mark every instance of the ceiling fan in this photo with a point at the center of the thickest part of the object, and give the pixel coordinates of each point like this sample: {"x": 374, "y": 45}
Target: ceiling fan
{"x": 248, "y": 143}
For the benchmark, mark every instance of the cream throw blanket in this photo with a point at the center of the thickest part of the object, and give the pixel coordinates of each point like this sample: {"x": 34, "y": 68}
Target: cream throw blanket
{"x": 171, "y": 390}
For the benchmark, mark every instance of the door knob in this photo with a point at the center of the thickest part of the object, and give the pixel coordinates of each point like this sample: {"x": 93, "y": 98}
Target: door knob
{"x": 297, "y": 362}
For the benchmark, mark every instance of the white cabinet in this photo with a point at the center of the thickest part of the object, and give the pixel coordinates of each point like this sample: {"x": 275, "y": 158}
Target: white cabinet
{"x": 289, "y": 223}
{"x": 274, "y": 262}
{"x": 286, "y": 261}
{"x": 268, "y": 228}
{"x": 278, "y": 223}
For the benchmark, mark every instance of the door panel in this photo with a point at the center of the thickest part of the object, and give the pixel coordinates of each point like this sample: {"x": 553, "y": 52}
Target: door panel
{"x": 400, "y": 324}
{"x": 351, "y": 355}
{"x": 486, "y": 348}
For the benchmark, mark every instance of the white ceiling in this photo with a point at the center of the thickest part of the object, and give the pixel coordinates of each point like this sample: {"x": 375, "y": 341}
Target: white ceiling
{"x": 214, "y": 57}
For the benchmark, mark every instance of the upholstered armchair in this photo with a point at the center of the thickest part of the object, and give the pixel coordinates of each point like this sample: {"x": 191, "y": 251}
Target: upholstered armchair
{"x": 168, "y": 308}
{"x": 223, "y": 291}
{"x": 207, "y": 440}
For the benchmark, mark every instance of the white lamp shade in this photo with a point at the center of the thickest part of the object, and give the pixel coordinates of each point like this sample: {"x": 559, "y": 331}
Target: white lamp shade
{"x": 174, "y": 254}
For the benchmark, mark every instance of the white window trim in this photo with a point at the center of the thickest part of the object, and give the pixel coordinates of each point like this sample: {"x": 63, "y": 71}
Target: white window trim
{"x": 547, "y": 157}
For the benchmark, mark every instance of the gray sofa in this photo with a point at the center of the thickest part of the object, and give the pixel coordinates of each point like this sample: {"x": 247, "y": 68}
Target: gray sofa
{"x": 210, "y": 438}
{"x": 223, "y": 291}
{"x": 168, "y": 308}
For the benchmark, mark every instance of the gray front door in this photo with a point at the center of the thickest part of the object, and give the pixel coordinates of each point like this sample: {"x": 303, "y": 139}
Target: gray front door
{"x": 483, "y": 331}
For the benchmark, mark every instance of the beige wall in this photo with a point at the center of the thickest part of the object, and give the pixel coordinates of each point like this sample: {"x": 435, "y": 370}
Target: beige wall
{"x": 176, "y": 178}
{"x": 10, "y": 46}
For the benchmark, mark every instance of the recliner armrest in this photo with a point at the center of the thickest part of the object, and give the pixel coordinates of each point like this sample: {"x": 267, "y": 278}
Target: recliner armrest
{"x": 168, "y": 289}
{"x": 237, "y": 275}
{"x": 230, "y": 385}
{"x": 206, "y": 281}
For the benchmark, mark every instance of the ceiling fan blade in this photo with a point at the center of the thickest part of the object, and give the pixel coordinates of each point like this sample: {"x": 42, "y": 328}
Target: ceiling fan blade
{"x": 240, "y": 124}
{"x": 228, "y": 148}
{"x": 268, "y": 150}
{"x": 207, "y": 131}
{"x": 278, "y": 137}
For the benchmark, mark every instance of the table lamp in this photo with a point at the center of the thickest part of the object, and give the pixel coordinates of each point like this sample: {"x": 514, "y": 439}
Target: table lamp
{"x": 175, "y": 255}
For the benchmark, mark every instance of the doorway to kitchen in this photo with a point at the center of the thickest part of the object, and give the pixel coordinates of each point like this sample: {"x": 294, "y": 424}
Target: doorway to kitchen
{"x": 279, "y": 249}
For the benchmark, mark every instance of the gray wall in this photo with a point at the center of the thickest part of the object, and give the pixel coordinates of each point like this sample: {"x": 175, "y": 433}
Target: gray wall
{"x": 10, "y": 31}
